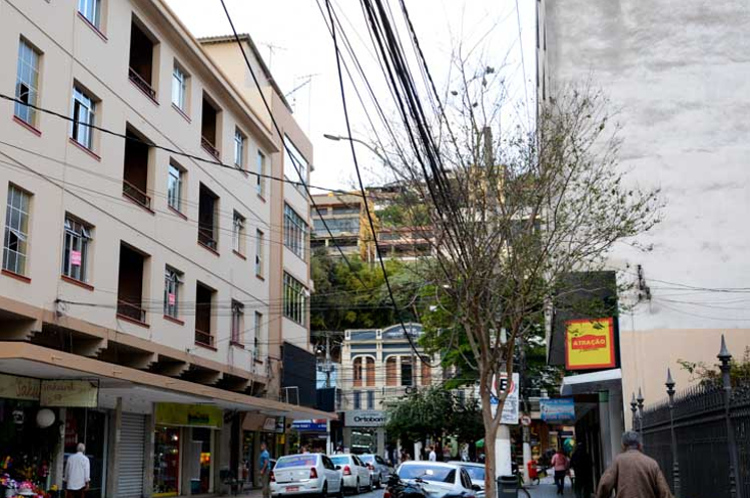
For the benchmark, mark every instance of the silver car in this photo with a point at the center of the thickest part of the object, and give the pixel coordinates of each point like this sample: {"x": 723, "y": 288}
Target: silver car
{"x": 379, "y": 468}
{"x": 439, "y": 479}
{"x": 476, "y": 473}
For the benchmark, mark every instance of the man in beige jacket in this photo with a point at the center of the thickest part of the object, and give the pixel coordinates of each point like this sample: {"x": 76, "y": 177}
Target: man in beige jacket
{"x": 633, "y": 474}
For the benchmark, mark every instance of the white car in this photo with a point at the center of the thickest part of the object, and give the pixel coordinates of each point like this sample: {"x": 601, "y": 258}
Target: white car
{"x": 439, "y": 479}
{"x": 379, "y": 468}
{"x": 356, "y": 474}
{"x": 309, "y": 473}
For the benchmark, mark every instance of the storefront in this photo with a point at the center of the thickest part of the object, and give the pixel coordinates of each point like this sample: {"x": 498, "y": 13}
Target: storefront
{"x": 311, "y": 434}
{"x": 185, "y": 448}
{"x": 364, "y": 431}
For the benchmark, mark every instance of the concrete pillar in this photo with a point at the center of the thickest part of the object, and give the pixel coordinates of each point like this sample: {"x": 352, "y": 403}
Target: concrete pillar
{"x": 605, "y": 429}
{"x": 57, "y": 469}
{"x": 502, "y": 452}
{"x": 148, "y": 457}
{"x": 380, "y": 434}
{"x": 186, "y": 452}
{"x": 526, "y": 452}
{"x": 348, "y": 438}
{"x": 616, "y": 420}
{"x": 113, "y": 464}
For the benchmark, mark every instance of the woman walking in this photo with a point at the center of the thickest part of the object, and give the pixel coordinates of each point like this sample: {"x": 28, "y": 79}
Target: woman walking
{"x": 561, "y": 464}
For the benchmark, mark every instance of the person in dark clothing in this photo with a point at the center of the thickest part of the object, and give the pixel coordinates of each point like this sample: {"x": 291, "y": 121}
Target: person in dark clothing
{"x": 583, "y": 467}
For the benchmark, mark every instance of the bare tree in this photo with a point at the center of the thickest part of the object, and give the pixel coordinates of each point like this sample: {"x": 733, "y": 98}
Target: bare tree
{"x": 511, "y": 215}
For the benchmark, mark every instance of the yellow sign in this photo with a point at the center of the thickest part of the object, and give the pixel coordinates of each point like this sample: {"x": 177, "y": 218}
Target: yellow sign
{"x": 19, "y": 387}
{"x": 78, "y": 393}
{"x": 589, "y": 344}
{"x": 180, "y": 415}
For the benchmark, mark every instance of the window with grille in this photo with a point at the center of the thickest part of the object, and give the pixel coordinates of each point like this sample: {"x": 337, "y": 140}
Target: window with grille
{"x": 172, "y": 284}
{"x": 76, "y": 249}
{"x": 295, "y": 232}
{"x": 15, "y": 254}
{"x": 238, "y": 313}
{"x": 84, "y": 108}
{"x": 238, "y": 233}
{"x": 27, "y": 83}
{"x": 295, "y": 299}
{"x": 357, "y": 400}
{"x": 370, "y": 400}
{"x": 295, "y": 165}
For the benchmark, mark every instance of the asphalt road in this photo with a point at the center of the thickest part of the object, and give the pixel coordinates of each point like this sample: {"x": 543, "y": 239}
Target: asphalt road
{"x": 378, "y": 493}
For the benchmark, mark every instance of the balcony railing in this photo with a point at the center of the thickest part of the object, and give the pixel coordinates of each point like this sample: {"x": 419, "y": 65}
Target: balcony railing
{"x": 204, "y": 338}
{"x": 206, "y": 237}
{"x": 206, "y": 144}
{"x": 131, "y": 310}
{"x": 144, "y": 85}
{"x": 136, "y": 194}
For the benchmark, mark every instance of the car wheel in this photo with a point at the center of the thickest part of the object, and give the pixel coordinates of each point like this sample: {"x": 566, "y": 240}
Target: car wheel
{"x": 372, "y": 484}
{"x": 357, "y": 488}
{"x": 324, "y": 492}
{"x": 340, "y": 494}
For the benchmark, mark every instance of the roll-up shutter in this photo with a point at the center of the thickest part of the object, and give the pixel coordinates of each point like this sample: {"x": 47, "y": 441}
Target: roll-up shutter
{"x": 130, "y": 456}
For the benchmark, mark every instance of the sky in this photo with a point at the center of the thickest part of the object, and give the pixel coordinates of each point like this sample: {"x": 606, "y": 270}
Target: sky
{"x": 295, "y": 42}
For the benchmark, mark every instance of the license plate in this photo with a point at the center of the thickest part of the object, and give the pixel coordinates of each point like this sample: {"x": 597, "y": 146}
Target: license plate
{"x": 292, "y": 489}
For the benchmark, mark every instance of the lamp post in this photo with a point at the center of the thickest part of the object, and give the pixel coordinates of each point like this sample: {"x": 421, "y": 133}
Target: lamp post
{"x": 338, "y": 138}
{"x": 634, "y": 408}
{"x": 640, "y": 412}
{"x": 725, "y": 357}
{"x": 675, "y": 462}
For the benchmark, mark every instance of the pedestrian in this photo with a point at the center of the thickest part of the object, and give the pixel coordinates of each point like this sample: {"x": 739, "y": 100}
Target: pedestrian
{"x": 633, "y": 474}
{"x": 582, "y": 466}
{"x": 265, "y": 471}
{"x": 561, "y": 464}
{"x": 433, "y": 456}
{"x": 77, "y": 473}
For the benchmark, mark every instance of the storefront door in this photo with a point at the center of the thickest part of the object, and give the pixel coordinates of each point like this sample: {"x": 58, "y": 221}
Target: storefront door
{"x": 88, "y": 426}
{"x": 166, "y": 461}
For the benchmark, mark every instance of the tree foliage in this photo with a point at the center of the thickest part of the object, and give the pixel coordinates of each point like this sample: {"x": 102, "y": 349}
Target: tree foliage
{"x": 739, "y": 371}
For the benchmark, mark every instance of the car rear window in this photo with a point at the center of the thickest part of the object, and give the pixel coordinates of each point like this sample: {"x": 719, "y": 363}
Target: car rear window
{"x": 366, "y": 458}
{"x": 427, "y": 473}
{"x": 340, "y": 460}
{"x": 476, "y": 473}
{"x": 296, "y": 461}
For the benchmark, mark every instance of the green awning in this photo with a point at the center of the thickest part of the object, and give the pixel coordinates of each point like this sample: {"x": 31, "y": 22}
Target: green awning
{"x": 479, "y": 444}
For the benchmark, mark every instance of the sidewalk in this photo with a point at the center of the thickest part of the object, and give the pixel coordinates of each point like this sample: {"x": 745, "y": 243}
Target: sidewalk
{"x": 547, "y": 489}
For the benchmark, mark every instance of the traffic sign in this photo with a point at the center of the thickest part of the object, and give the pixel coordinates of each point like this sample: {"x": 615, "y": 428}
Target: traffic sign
{"x": 526, "y": 420}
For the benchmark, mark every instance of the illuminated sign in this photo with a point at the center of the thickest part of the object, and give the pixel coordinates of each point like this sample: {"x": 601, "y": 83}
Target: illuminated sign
{"x": 589, "y": 344}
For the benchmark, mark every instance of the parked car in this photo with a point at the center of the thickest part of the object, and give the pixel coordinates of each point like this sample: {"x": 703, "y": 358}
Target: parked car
{"x": 379, "y": 468}
{"x": 356, "y": 474}
{"x": 476, "y": 473}
{"x": 439, "y": 479}
{"x": 310, "y": 473}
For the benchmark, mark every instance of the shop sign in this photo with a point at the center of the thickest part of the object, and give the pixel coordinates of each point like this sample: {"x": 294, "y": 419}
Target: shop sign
{"x": 364, "y": 418}
{"x": 558, "y": 410}
{"x": 19, "y": 387}
{"x": 314, "y": 425}
{"x": 177, "y": 414}
{"x": 511, "y": 407}
{"x": 270, "y": 424}
{"x": 70, "y": 393}
{"x": 589, "y": 344}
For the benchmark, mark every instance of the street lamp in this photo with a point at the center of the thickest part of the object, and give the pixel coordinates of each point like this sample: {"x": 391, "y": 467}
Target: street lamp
{"x": 634, "y": 409}
{"x": 675, "y": 462}
{"x": 338, "y": 138}
{"x": 640, "y": 412}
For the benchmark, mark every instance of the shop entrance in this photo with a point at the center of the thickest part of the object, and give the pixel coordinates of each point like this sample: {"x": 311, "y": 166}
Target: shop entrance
{"x": 87, "y": 426}
{"x": 166, "y": 461}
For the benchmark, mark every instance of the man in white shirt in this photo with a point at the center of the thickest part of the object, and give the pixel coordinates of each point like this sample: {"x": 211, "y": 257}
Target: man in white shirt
{"x": 77, "y": 473}
{"x": 433, "y": 455}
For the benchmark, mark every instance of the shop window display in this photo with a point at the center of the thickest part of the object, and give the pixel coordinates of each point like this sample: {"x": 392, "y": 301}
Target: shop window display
{"x": 248, "y": 456}
{"x": 87, "y": 426}
{"x": 166, "y": 461}
{"x": 202, "y": 441}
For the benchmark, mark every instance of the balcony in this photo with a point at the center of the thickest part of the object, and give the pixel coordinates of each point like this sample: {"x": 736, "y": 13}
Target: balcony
{"x": 142, "y": 84}
{"x": 206, "y": 144}
{"x": 136, "y": 194}
{"x": 132, "y": 311}
{"x": 204, "y": 338}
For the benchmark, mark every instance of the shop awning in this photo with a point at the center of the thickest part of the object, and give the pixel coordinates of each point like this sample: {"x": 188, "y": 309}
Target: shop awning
{"x": 593, "y": 382}
{"x": 138, "y": 387}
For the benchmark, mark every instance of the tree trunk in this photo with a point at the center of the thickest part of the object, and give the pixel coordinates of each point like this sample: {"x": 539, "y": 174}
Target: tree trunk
{"x": 490, "y": 463}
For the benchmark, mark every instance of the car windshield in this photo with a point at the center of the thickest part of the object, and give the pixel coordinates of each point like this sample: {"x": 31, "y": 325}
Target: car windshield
{"x": 296, "y": 461}
{"x": 476, "y": 473}
{"x": 427, "y": 473}
{"x": 340, "y": 460}
{"x": 367, "y": 458}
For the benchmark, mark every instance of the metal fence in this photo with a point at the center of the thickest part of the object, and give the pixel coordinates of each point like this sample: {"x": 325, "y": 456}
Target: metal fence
{"x": 707, "y": 428}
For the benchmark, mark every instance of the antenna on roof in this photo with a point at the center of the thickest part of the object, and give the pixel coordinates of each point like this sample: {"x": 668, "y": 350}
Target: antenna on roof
{"x": 272, "y": 50}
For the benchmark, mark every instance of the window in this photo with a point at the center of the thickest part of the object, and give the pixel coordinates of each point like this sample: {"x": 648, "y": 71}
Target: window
{"x": 370, "y": 371}
{"x": 136, "y": 168}
{"x": 209, "y": 127}
{"x": 426, "y": 373}
{"x": 27, "y": 82}
{"x": 172, "y": 283}
{"x": 391, "y": 371}
{"x": 295, "y": 165}
{"x": 357, "y": 400}
{"x": 203, "y": 310}
{"x": 76, "y": 249}
{"x": 406, "y": 372}
{"x": 238, "y": 314}
{"x": 141, "y": 70}
{"x": 16, "y": 243}
{"x": 295, "y": 232}
{"x": 259, "y": 243}
{"x": 179, "y": 88}
{"x": 238, "y": 233}
{"x": 91, "y": 10}
{"x": 84, "y": 108}
{"x": 295, "y": 299}
{"x": 260, "y": 184}
{"x": 257, "y": 331}
{"x": 357, "y": 372}
{"x": 370, "y": 400}
{"x": 239, "y": 149}
{"x": 130, "y": 284}
{"x": 174, "y": 187}
{"x": 207, "y": 209}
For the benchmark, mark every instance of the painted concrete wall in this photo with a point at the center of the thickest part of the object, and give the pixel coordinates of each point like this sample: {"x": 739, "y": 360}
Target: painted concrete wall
{"x": 678, "y": 75}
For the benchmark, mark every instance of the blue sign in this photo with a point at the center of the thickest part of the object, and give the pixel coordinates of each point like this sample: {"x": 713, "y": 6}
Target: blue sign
{"x": 315, "y": 425}
{"x": 558, "y": 410}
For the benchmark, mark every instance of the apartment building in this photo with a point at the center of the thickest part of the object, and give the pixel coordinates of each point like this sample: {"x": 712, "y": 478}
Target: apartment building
{"x": 154, "y": 264}
{"x": 681, "y": 101}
